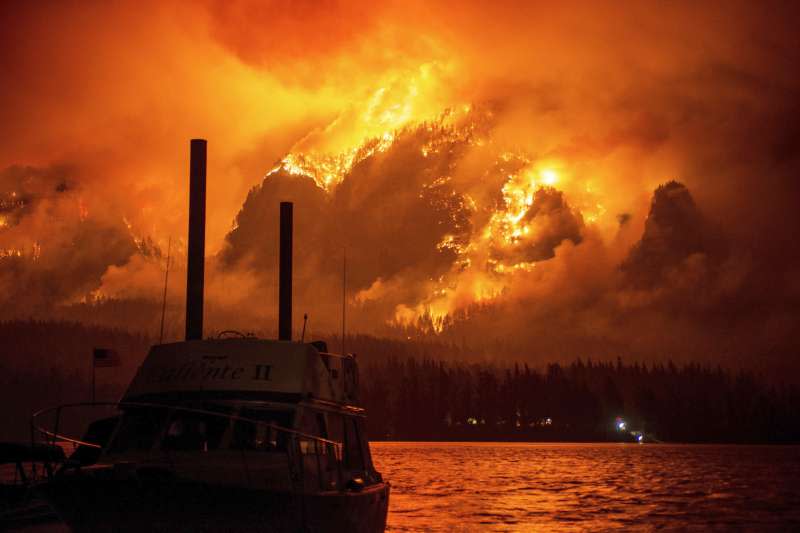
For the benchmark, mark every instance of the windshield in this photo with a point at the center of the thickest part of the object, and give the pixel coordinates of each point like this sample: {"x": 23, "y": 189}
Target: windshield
{"x": 189, "y": 431}
{"x": 250, "y": 436}
{"x": 146, "y": 428}
{"x": 138, "y": 429}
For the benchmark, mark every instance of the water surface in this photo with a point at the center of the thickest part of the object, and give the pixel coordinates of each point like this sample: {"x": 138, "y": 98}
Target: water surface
{"x": 590, "y": 487}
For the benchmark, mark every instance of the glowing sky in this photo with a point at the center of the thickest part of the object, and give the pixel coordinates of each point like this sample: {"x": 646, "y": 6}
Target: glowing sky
{"x": 491, "y": 169}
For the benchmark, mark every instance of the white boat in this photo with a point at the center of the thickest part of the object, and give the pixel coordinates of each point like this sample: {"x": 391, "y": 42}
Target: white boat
{"x": 227, "y": 434}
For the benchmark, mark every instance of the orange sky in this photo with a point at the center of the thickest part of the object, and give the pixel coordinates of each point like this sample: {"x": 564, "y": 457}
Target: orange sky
{"x": 604, "y": 101}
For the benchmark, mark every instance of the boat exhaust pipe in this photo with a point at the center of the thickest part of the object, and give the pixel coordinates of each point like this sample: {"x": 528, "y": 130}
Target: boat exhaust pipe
{"x": 197, "y": 240}
{"x": 285, "y": 274}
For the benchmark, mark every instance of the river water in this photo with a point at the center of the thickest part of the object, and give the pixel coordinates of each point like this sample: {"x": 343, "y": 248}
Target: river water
{"x": 590, "y": 487}
{"x": 585, "y": 487}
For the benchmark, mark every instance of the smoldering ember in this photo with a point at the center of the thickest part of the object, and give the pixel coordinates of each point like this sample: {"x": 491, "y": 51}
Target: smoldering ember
{"x": 313, "y": 226}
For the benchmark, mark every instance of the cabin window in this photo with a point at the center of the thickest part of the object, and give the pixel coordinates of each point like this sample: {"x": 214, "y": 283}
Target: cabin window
{"x": 365, "y": 451}
{"x": 254, "y": 436}
{"x": 189, "y": 431}
{"x": 336, "y": 431}
{"x": 218, "y": 426}
{"x": 322, "y": 428}
{"x": 353, "y": 456}
{"x": 314, "y": 425}
{"x": 335, "y": 427}
{"x": 138, "y": 430}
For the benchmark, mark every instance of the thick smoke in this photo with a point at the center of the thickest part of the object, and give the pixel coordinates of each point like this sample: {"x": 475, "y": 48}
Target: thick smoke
{"x": 552, "y": 222}
{"x": 72, "y": 247}
{"x": 495, "y": 175}
{"x": 390, "y": 215}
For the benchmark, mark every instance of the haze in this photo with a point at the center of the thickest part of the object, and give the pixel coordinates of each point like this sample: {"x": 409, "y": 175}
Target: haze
{"x": 541, "y": 181}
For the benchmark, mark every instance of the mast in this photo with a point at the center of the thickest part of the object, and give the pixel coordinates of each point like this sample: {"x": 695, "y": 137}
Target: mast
{"x": 164, "y": 299}
{"x": 285, "y": 274}
{"x": 344, "y": 296}
{"x": 197, "y": 238}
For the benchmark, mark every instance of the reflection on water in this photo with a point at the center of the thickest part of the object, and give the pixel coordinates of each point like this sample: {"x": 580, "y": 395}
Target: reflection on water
{"x": 594, "y": 487}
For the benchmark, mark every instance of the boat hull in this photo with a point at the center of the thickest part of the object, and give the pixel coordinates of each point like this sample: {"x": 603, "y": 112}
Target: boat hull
{"x": 89, "y": 504}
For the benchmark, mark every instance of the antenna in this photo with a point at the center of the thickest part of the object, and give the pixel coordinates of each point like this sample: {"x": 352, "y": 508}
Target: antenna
{"x": 164, "y": 300}
{"x": 344, "y": 296}
{"x": 305, "y": 321}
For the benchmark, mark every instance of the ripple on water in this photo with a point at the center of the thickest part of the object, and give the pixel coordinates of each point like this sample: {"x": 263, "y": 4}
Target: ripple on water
{"x": 569, "y": 487}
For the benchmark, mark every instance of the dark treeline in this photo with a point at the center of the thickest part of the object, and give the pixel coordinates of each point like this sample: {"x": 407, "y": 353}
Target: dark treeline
{"x": 47, "y": 363}
{"x": 424, "y": 399}
{"x": 67, "y": 345}
{"x": 429, "y": 390}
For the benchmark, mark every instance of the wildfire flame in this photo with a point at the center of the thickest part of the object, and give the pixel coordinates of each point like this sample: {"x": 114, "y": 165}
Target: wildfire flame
{"x": 486, "y": 258}
{"x": 328, "y": 170}
{"x": 10, "y": 252}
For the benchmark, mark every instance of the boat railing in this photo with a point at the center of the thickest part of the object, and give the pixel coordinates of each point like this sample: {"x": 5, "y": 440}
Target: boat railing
{"x": 299, "y": 445}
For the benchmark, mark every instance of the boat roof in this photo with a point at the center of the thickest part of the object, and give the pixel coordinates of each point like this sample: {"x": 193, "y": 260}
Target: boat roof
{"x": 244, "y": 368}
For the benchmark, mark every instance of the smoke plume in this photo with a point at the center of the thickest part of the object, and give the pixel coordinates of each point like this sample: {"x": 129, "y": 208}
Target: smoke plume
{"x": 573, "y": 180}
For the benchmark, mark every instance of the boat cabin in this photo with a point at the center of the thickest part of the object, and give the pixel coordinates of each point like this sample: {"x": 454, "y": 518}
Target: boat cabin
{"x": 237, "y": 408}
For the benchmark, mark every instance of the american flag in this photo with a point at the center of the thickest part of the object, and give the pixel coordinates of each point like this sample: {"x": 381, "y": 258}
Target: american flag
{"x": 105, "y": 357}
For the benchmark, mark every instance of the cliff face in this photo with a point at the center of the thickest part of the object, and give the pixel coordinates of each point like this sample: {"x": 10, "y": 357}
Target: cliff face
{"x": 675, "y": 235}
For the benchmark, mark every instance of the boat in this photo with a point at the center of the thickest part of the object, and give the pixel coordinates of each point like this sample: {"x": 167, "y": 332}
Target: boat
{"x": 233, "y": 433}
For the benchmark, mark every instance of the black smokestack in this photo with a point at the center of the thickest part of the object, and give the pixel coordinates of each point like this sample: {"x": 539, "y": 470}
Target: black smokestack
{"x": 197, "y": 240}
{"x": 285, "y": 275}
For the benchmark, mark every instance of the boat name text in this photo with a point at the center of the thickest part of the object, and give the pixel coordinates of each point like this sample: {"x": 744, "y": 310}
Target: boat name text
{"x": 206, "y": 372}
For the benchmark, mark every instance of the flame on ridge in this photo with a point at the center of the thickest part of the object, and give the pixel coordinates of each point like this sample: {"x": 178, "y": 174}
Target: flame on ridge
{"x": 405, "y": 98}
{"x": 489, "y": 254}
{"x": 328, "y": 170}
{"x": 483, "y": 266}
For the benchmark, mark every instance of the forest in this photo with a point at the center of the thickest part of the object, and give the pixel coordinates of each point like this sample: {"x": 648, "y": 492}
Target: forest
{"x": 425, "y": 399}
{"x": 423, "y": 390}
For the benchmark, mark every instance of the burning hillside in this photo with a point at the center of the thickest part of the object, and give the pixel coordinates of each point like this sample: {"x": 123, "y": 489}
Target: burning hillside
{"x": 427, "y": 230}
{"x": 508, "y": 183}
